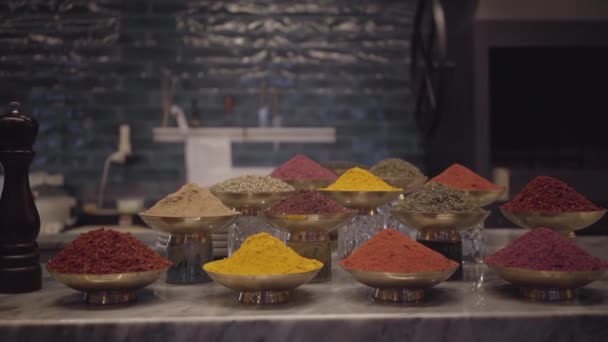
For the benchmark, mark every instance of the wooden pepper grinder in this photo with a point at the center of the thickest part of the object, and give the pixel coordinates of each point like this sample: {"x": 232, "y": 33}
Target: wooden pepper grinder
{"x": 19, "y": 221}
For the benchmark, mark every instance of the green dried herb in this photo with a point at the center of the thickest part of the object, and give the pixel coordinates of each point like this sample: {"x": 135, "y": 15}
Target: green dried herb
{"x": 252, "y": 184}
{"x": 396, "y": 168}
{"x": 437, "y": 198}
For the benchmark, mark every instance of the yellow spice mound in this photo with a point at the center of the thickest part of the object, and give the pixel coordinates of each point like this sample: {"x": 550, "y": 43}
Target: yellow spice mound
{"x": 263, "y": 254}
{"x": 358, "y": 179}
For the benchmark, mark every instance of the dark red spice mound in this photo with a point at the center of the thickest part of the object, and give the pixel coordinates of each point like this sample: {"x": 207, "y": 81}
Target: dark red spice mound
{"x": 307, "y": 202}
{"x": 544, "y": 249}
{"x": 462, "y": 178}
{"x": 392, "y": 251}
{"x": 548, "y": 194}
{"x": 302, "y": 167}
{"x": 105, "y": 251}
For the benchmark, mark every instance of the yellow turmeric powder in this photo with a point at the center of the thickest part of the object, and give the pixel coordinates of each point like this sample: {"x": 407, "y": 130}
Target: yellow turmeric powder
{"x": 263, "y": 254}
{"x": 358, "y": 179}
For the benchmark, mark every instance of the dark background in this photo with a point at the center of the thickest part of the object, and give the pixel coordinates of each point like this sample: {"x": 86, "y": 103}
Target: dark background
{"x": 84, "y": 67}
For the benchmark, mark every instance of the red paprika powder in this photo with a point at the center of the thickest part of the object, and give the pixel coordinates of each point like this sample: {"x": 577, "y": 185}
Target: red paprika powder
{"x": 548, "y": 194}
{"x": 302, "y": 167}
{"x": 104, "y": 251}
{"x": 544, "y": 249}
{"x": 392, "y": 251}
{"x": 462, "y": 178}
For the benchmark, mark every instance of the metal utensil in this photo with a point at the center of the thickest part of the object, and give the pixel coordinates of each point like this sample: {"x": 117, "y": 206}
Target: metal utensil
{"x": 547, "y": 285}
{"x": 262, "y": 289}
{"x": 398, "y": 286}
{"x": 113, "y": 288}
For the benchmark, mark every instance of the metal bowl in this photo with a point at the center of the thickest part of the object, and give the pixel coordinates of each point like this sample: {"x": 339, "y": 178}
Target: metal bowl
{"x": 108, "y": 288}
{"x": 308, "y": 184}
{"x": 408, "y": 184}
{"x": 547, "y": 285}
{"x": 295, "y": 223}
{"x": 482, "y": 198}
{"x": 440, "y": 221}
{"x": 385, "y": 280}
{"x": 564, "y": 223}
{"x": 362, "y": 200}
{"x": 397, "y": 286}
{"x": 262, "y": 282}
{"x": 547, "y": 279}
{"x": 262, "y": 289}
{"x": 251, "y": 201}
{"x": 188, "y": 225}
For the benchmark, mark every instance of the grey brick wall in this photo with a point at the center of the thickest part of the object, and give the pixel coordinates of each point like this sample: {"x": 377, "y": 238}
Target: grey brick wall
{"x": 84, "y": 67}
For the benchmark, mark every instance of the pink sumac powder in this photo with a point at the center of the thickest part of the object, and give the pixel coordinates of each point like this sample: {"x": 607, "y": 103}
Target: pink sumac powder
{"x": 302, "y": 167}
{"x": 548, "y": 194}
{"x": 306, "y": 202}
{"x": 544, "y": 249}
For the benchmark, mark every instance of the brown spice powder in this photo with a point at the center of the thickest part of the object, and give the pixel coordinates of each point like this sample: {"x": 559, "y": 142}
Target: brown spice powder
{"x": 190, "y": 201}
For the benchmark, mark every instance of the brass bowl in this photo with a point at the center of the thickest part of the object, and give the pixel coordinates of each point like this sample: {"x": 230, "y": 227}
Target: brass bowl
{"x": 547, "y": 285}
{"x": 108, "y": 288}
{"x": 397, "y": 286}
{"x": 547, "y": 279}
{"x": 564, "y": 223}
{"x": 408, "y": 184}
{"x": 262, "y": 289}
{"x": 294, "y": 223}
{"x": 482, "y": 198}
{"x": 440, "y": 221}
{"x": 242, "y": 201}
{"x": 308, "y": 184}
{"x": 188, "y": 225}
{"x": 415, "y": 280}
{"x": 362, "y": 200}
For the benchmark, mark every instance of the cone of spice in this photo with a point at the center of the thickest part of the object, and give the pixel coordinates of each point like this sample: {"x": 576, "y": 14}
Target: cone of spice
{"x": 340, "y": 166}
{"x": 543, "y": 249}
{"x": 548, "y": 194}
{"x": 263, "y": 254}
{"x": 392, "y": 251}
{"x": 104, "y": 251}
{"x": 190, "y": 201}
{"x": 461, "y": 178}
{"x": 358, "y": 179}
{"x": 396, "y": 168}
{"x": 437, "y": 198}
{"x": 306, "y": 202}
{"x": 300, "y": 167}
{"x": 252, "y": 184}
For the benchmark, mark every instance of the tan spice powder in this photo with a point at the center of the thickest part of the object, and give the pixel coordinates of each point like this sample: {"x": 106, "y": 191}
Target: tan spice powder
{"x": 190, "y": 201}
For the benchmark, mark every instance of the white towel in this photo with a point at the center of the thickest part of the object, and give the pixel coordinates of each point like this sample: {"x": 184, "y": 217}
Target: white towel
{"x": 208, "y": 160}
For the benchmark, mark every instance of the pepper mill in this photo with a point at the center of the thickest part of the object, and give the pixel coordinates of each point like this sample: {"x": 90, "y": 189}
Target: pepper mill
{"x": 19, "y": 221}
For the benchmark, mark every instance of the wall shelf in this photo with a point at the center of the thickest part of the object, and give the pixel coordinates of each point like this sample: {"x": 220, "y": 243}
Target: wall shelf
{"x": 249, "y": 134}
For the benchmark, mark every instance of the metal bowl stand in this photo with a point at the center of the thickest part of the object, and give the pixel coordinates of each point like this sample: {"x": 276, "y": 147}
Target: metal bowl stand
{"x": 546, "y": 294}
{"x": 313, "y": 245}
{"x": 365, "y": 217}
{"x": 446, "y": 242}
{"x": 188, "y": 253}
{"x": 264, "y": 297}
{"x": 110, "y": 297}
{"x": 399, "y": 295}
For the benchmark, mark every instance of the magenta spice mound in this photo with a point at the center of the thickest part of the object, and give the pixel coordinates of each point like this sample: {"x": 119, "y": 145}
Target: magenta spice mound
{"x": 544, "y": 249}
{"x": 302, "y": 167}
{"x": 306, "y": 202}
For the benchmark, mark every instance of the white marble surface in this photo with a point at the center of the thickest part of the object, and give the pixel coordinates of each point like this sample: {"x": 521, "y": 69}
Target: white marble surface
{"x": 481, "y": 309}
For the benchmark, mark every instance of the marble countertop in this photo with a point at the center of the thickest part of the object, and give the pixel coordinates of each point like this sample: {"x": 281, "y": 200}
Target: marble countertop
{"x": 482, "y": 308}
